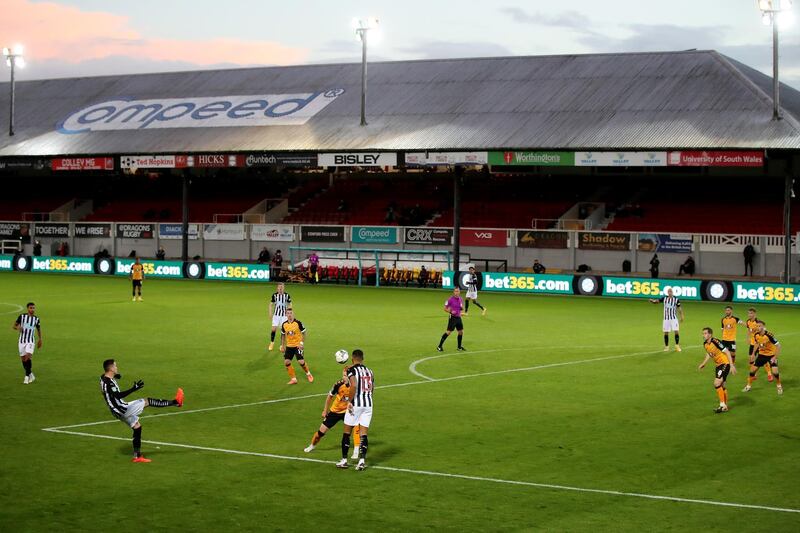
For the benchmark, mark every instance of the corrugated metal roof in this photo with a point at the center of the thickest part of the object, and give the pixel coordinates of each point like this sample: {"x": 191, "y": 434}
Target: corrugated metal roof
{"x": 695, "y": 99}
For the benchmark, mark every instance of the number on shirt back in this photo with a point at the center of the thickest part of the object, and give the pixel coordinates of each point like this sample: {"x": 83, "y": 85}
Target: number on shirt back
{"x": 366, "y": 383}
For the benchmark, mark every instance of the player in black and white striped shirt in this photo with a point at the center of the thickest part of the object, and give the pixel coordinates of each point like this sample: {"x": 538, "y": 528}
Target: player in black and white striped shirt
{"x": 277, "y": 309}
{"x": 29, "y": 326}
{"x": 474, "y": 282}
{"x": 672, "y": 309}
{"x": 359, "y": 409}
{"x": 128, "y": 412}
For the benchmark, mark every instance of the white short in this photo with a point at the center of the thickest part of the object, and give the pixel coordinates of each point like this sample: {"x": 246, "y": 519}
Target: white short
{"x": 472, "y": 295}
{"x": 26, "y": 347}
{"x": 277, "y": 321}
{"x": 131, "y": 416}
{"x": 361, "y": 416}
{"x": 671, "y": 324}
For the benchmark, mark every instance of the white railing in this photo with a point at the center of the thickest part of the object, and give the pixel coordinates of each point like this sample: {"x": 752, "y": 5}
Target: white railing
{"x": 9, "y": 246}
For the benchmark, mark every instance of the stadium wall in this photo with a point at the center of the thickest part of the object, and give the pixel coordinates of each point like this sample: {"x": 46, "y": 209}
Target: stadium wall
{"x": 243, "y": 243}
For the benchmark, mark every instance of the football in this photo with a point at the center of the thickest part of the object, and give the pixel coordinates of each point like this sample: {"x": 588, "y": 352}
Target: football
{"x": 341, "y": 356}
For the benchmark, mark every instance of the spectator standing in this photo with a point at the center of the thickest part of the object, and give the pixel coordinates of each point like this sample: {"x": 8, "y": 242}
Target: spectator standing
{"x": 538, "y": 268}
{"x": 654, "y": 262}
{"x": 161, "y": 253}
{"x": 263, "y": 255}
{"x": 749, "y": 253}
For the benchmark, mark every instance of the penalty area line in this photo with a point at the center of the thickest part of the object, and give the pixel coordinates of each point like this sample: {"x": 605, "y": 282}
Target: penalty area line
{"x": 431, "y": 473}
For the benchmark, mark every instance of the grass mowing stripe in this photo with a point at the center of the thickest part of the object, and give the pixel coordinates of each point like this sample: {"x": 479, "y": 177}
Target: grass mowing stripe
{"x": 449, "y": 475}
{"x": 393, "y": 385}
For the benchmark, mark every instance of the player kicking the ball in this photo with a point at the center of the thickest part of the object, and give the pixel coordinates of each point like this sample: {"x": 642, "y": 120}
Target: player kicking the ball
{"x": 334, "y": 411}
{"x": 128, "y": 413}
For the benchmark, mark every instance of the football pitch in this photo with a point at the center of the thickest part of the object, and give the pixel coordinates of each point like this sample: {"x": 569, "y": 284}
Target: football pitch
{"x": 563, "y": 414}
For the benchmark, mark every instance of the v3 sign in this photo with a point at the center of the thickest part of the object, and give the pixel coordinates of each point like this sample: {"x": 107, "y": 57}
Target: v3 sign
{"x": 361, "y": 159}
{"x": 484, "y": 237}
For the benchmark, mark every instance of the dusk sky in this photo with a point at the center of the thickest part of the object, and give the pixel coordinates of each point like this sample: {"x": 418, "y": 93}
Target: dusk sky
{"x": 65, "y": 38}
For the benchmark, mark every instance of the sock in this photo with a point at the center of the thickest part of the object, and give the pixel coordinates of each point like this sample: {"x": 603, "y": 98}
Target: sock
{"x": 345, "y": 444}
{"x": 466, "y": 306}
{"x": 137, "y": 442}
{"x": 666, "y": 339}
{"x": 752, "y": 376}
{"x": 479, "y": 305}
{"x": 290, "y": 370}
{"x": 733, "y": 359}
{"x": 272, "y": 337}
{"x": 460, "y": 336}
{"x": 356, "y": 437}
{"x": 362, "y": 450}
{"x": 155, "y": 402}
{"x": 725, "y": 393}
{"x": 317, "y": 437}
{"x": 677, "y": 339}
{"x": 777, "y": 379}
{"x": 768, "y": 368}
{"x": 304, "y": 366}
{"x": 444, "y": 338}
{"x": 27, "y": 365}
{"x": 721, "y": 395}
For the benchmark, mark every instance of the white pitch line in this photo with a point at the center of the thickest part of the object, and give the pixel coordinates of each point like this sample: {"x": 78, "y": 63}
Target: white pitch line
{"x": 390, "y": 386}
{"x": 413, "y": 366}
{"x": 319, "y": 395}
{"x": 17, "y": 310}
{"x": 450, "y": 475}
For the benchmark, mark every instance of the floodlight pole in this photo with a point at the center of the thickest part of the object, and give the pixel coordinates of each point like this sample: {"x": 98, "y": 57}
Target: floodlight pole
{"x": 11, "y": 58}
{"x": 362, "y": 32}
{"x": 776, "y": 108}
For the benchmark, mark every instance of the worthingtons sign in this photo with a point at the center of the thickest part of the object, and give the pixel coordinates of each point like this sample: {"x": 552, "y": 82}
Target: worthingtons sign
{"x": 204, "y": 112}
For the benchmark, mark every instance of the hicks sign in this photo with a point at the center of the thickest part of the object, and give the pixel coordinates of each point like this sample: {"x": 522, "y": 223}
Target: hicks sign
{"x": 204, "y": 112}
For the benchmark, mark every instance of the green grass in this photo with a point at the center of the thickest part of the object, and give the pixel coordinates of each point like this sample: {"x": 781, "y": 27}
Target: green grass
{"x": 638, "y": 424}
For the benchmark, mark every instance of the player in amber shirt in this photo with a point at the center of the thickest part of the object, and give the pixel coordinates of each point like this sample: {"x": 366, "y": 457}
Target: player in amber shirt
{"x": 767, "y": 351}
{"x": 729, "y": 325}
{"x": 137, "y": 277}
{"x": 333, "y": 412}
{"x": 293, "y": 334}
{"x": 719, "y": 353}
{"x": 752, "y": 329}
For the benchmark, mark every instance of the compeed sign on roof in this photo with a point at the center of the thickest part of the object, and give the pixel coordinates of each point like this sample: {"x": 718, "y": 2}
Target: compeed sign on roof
{"x": 199, "y": 112}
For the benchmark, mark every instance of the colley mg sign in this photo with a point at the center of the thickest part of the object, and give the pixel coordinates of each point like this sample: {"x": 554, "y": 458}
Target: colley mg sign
{"x": 199, "y": 112}
{"x": 361, "y": 159}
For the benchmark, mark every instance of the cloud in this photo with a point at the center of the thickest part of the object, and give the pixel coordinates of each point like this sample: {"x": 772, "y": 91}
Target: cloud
{"x": 449, "y": 49}
{"x": 665, "y": 37}
{"x": 566, "y": 19}
{"x": 55, "y": 33}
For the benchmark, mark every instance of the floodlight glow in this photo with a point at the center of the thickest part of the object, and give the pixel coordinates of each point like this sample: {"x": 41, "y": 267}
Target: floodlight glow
{"x": 766, "y": 19}
{"x": 372, "y": 22}
{"x": 20, "y": 61}
{"x": 6, "y": 52}
{"x": 18, "y": 49}
{"x": 355, "y": 23}
{"x": 785, "y": 19}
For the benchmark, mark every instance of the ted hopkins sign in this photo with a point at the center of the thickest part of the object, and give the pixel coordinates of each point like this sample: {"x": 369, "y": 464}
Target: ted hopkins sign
{"x": 199, "y": 112}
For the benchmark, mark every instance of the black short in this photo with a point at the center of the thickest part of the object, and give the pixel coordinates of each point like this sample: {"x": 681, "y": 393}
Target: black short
{"x": 762, "y": 360}
{"x": 730, "y": 345}
{"x": 721, "y": 371}
{"x": 332, "y": 419}
{"x": 136, "y": 282}
{"x": 456, "y": 323}
{"x": 313, "y": 269}
{"x": 293, "y": 352}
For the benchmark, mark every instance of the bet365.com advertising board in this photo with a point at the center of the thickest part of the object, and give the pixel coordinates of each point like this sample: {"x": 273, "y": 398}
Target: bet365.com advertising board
{"x": 70, "y": 265}
{"x": 151, "y": 269}
{"x": 6, "y": 262}
{"x": 237, "y": 271}
{"x": 516, "y": 282}
{"x": 772, "y": 293}
{"x": 688, "y": 289}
